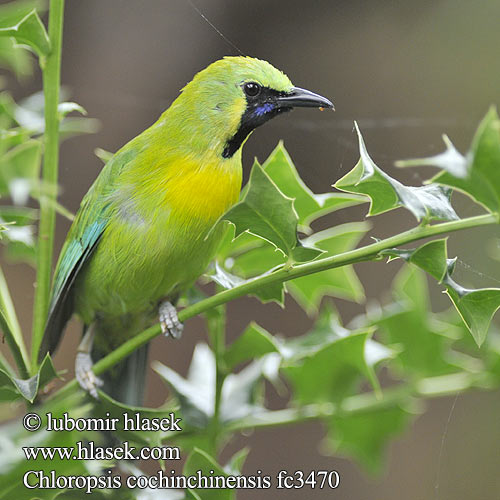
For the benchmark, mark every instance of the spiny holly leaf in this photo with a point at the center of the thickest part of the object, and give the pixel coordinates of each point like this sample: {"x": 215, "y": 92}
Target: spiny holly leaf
{"x": 431, "y": 257}
{"x": 478, "y": 173}
{"x": 309, "y": 206}
{"x": 365, "y": 435}
{"x": 385, "y": 193}
{"x": 450, "y": 160}
{"x": 253, "y": 343}
{"x": 271, "y": 293}
{"x": 12, "y": 56}
{"x": 196, "y": 393}
{"x": 29, "y": 31}
{"x": 334, "y": 355}
{"x": 250, "y": 257}
{"x": 308, "y": 291}
{"x": 475, "y": 306}
{"x": 332, "y": 372}
{"x": 267, "y": 213}
{"x": 341, "y": 282}
{"x": 12, "y": 388}
{"x": 327, "y": 329}
{"x": 422, "y": 342}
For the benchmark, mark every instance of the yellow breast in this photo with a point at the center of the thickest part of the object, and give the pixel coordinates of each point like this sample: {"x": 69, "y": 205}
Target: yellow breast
{"x": 202, "y": 192}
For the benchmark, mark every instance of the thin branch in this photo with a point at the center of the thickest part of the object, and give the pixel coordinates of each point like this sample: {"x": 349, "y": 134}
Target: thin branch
{"x": 431, "y": 387}
{"x": 217, "y": 328}
{"x": 362, "y": 254}
{"x": 51, "y": 83}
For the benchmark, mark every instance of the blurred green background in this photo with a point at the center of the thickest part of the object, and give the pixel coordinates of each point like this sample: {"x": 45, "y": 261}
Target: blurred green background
{"x": 407, "y": 72}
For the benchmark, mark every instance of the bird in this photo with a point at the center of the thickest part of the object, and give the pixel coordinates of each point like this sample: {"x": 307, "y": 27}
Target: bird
{"x": 144, "y": 231}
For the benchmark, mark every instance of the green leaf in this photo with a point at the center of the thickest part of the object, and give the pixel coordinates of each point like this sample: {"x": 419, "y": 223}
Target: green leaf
{"x": 15, "y": 465}
{"x": 103, "y": 155}
{"x": 341, "y": 282}
{"x": 240, "y": 393}
{"x": 19, "y": 170}
{"x": 224, "y": 278}
{"x": 14, "y": 58}
{"x": 9, "y": 325}
{"x": 27, "y": 388}
{"x": 332, "y": 372}
{"x": 247, "y": 257}
{"x": 482, "y": 179}
{"x": 12, "y": 137}
{"x": 21, "y": 216}
{"x": 270, "y": 293}
{"x": 236, "y": 462}
{"x": 365, "y": 436}
{"x": 29, "y": 114}
{"x": 29, "y": 31}
{"x": 431, "y": 257}
{"x": 64, "y": 108}
{"x": 73, "y": 126}
{"x": 450, "y": 160}
{"x": 385, "y": 193}
{"x": 267, "y": 213}
{"x": 12, "y": 12}
{"x": 309, "y": 206}
{"x": 253, "y": 343}
{"x": 108, "y": 407}
{"x": 199, "y": 460}
{"x": 252, "y": 259}
{"x": 475, "y": 306}
{"x": 196, "y": 393}
{"x": 421, "y": 341}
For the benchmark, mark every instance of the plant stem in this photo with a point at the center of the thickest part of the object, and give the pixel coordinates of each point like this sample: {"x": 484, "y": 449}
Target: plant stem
{"x": 51, "y": 82}
{"x": 217, "y": 328}
{"x": 432, "y": 387}
{"x": 366, "y": 253}
{"x": 403, "y": 395}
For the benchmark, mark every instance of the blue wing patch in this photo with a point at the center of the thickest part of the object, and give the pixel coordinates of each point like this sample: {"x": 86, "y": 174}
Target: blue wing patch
{"x": 73, "y": 256}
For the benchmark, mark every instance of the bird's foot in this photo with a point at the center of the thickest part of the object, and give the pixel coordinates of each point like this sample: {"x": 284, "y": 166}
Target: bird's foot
{"x": 85, "y": 376}
{"x": 169, "y": 321}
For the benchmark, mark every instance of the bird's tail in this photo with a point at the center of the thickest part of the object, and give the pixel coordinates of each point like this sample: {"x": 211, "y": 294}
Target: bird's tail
{"x": 126, "y": 381}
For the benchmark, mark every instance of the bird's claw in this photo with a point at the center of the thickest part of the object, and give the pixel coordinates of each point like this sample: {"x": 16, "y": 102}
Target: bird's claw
{"x": 169, "y": 321}
{"x": 88, "y": 381}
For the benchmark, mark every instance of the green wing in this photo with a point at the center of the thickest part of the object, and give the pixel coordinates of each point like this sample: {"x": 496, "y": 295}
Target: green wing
{"x": 82, "y": 239}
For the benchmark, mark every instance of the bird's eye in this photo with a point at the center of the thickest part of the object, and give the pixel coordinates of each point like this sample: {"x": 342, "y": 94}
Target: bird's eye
{"x": 252, "y": 89}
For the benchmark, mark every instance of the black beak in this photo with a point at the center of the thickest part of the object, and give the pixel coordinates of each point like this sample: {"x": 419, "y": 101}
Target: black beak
{"x": 301, "y": 98}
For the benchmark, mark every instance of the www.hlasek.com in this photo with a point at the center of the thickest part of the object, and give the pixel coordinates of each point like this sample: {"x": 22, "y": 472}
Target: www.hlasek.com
{"x": 88, "y": 450}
